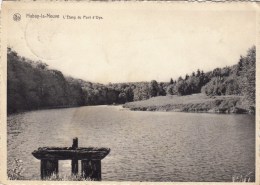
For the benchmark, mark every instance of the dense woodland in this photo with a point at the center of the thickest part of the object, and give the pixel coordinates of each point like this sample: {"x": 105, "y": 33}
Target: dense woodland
{"x": 32, "y": 85}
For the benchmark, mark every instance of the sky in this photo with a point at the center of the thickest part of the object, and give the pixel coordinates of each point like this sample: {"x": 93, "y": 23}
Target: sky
{"x": 135, "y": 44}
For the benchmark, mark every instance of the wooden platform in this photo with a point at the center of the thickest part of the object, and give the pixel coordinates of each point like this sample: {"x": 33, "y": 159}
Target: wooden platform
{"x": 90, "y": 160}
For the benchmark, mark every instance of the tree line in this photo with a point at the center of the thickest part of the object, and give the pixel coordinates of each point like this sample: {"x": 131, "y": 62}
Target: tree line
{"x": 32, "y": 85}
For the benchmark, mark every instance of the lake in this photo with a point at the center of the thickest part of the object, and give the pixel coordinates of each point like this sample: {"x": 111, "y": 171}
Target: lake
{"x": 145, "y": 146}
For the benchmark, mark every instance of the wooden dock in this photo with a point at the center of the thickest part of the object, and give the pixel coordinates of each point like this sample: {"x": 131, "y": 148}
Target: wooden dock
{"x": 90, "y": 160}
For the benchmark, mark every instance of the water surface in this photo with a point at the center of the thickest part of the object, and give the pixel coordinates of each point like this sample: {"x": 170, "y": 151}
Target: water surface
{"x": 145, "y": 146}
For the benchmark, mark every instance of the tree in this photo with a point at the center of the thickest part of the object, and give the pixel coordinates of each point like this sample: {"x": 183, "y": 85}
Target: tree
{"x": 171, "y": 81}
{"x": 122, "y": 97}
{"x": 215, "y": 87}
{"x": 216, "y": 72}
{"x": 41, "y": 65}
{"x": 180, "y": 79}
{"x": 193, "y": 83}
{"x": 248, "y": 77}
{"x": 153, "y": 88}
{"x": 161, "y": 89}
{"x": 31, "y": 85}
{"x": 170, "y": 90}
{"x": 198, "y": 73}
{"x": 129, "y": 94}
{"x": 187, "y": 77}
{"x": 182, "y": 87}
{"x": 232, "y": 86}
{"x": 141, "y": 92}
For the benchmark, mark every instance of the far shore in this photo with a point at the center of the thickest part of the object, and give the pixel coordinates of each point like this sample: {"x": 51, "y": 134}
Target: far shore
{"x": 196, "y": 103}
{"x": 192, "y": 103}
{"x": 118, "y": 106}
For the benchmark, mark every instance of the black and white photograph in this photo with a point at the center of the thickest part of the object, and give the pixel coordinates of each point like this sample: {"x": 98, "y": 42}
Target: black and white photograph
{"x": 129, "y": 92}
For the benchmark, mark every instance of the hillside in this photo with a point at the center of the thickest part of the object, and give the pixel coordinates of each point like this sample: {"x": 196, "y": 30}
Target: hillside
{"x": 31, "y": 85}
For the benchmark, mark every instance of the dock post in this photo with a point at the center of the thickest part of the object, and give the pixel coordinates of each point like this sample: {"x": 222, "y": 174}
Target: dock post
{"x": 49, "y": 168}
{"x": 74, "y": 160}
{"x": 91, "y": 169}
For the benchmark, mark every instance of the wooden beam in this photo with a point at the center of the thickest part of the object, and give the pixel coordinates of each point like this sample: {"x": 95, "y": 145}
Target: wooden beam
{"x": 67, "y": 153}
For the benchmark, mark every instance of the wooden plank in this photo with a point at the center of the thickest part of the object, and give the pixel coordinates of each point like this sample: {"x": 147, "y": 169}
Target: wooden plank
{"x": 91, "y": 169}
{"x": 68, "y": 153}
{"x": 49, "y": 168}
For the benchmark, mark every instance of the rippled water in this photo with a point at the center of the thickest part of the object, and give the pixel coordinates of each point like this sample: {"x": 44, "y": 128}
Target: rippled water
{"x": 145, "y": 146}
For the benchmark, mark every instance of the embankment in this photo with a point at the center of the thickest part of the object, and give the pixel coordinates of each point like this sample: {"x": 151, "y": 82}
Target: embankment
{"x": 190, "y": 103}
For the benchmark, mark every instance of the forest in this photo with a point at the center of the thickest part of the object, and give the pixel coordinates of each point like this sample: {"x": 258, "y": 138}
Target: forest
{"x": 32, "y": 85}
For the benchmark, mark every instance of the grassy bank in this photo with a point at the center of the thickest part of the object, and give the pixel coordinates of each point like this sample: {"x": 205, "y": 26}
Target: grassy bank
{"x": 190, "y": 103}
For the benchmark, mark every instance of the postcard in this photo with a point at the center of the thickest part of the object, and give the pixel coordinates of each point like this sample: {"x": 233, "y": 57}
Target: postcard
{"x": 129, "y": 92}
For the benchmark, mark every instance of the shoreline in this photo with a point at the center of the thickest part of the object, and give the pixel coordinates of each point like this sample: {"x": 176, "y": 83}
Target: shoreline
{"x": 118, "y": 106}
{"x": 166, "y": 109}
{"x": 196, "y": 103}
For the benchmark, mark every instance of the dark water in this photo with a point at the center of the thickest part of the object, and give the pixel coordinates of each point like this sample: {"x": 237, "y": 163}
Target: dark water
{"x": 145, "y": 146}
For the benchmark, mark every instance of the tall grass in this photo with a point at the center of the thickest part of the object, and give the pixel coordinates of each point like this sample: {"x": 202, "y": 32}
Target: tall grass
{"x": 55, "y": 177}
{"x": 16, "y": 172}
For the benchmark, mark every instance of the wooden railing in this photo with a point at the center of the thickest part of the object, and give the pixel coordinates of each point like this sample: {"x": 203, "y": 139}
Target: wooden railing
{"x": 90, "y": 160}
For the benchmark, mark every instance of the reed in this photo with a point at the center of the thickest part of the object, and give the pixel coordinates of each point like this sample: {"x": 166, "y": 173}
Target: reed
{"x": 16, "y": 172}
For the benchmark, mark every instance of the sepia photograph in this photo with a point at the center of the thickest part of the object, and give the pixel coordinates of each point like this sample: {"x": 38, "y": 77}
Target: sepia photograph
{"x": 129, "y": 92}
